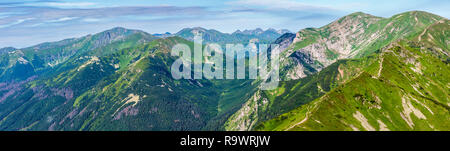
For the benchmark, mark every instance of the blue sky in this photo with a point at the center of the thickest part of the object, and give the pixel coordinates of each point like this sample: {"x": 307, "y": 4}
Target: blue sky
{"x": 29, "y": 22}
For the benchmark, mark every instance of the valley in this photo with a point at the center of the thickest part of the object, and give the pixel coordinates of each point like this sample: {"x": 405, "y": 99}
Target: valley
{"x": 360, "y": 72}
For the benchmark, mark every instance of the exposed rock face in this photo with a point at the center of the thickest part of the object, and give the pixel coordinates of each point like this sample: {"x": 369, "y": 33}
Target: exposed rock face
{"x": 352, "y": 36}
{"x": 9, "y": 89}
{"x": 314, "y": 49}
{"x": 244, "y": 37}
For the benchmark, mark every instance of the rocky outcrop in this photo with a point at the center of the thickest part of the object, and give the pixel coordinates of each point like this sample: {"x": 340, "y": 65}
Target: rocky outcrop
{"x": 352, "y": 36}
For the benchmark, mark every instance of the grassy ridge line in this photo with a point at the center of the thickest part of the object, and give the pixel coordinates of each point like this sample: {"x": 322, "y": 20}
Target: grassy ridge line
{"x": 402, "y": 98}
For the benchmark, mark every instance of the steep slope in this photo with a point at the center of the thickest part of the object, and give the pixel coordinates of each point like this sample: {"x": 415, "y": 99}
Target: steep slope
{"x": 407, "y": 88}
{"x": 43, "y": 57}
{"x": 353, "y": 36}
{"x": 258, "y": 31}
{"x": 54, "y": 53}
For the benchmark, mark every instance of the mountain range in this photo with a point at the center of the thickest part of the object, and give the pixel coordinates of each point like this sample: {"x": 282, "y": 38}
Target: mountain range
{"x": 360, "y": 72}
{"x": 244, "y": 37}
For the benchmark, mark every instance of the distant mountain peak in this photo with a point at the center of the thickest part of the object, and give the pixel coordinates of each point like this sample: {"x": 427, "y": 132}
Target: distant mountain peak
{"x": 283, "y": 31}
{"x": 191, "y": 30}
{"x": 194, "y": 28}
{"x": 7, "y": 49}
{"x": 120, "y": 30}
{"x": 418, "y": 16}
{"x": 116, "y": 33}
{"x": 258, "y": 31}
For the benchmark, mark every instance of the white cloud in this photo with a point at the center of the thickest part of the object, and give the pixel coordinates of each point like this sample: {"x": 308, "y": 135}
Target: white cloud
{"x": 16, "y": 22}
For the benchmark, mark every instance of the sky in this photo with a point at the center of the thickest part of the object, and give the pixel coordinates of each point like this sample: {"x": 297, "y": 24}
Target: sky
{"x": 24, "y": 23}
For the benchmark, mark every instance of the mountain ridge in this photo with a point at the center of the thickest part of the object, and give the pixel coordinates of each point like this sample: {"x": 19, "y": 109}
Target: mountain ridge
{"x": 308, "y": 65}
{"x": 120, "y": 79}
{"x": 403, "y": 90}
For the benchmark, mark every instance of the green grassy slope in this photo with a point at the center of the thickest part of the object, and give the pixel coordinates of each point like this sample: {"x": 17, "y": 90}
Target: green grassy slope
{"x": 353, "y": 36}
{"x": 406, "y": 89}
{"x": 214, "y": 36}
{"x": 124, "y": 89}
{"x": 358, "y": 36}
{"x": 265, "y": 105}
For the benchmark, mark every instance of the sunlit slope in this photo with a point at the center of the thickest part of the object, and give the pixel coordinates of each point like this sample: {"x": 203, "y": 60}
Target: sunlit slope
{"x": 406, "y": 89}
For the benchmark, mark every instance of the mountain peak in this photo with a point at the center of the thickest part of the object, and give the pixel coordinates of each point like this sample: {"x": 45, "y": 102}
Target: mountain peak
{"x": 194, "y": 28}
{"x": 419, "y": 15}
{"x": 359, "y": 14}
{"x": 418, "y": 12}
{"x": 250, "y": 32}
{"x": 355, "y": 19}
{"x": 198, "y": 28}
{"x": 118, "y": 28}
{"x": 283, "y": 31}
{"x": 260, "y": 31}
{"x": 7, "y": 49}
{"x": 190, "y": 30}
{"x": 162, "y": 35}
